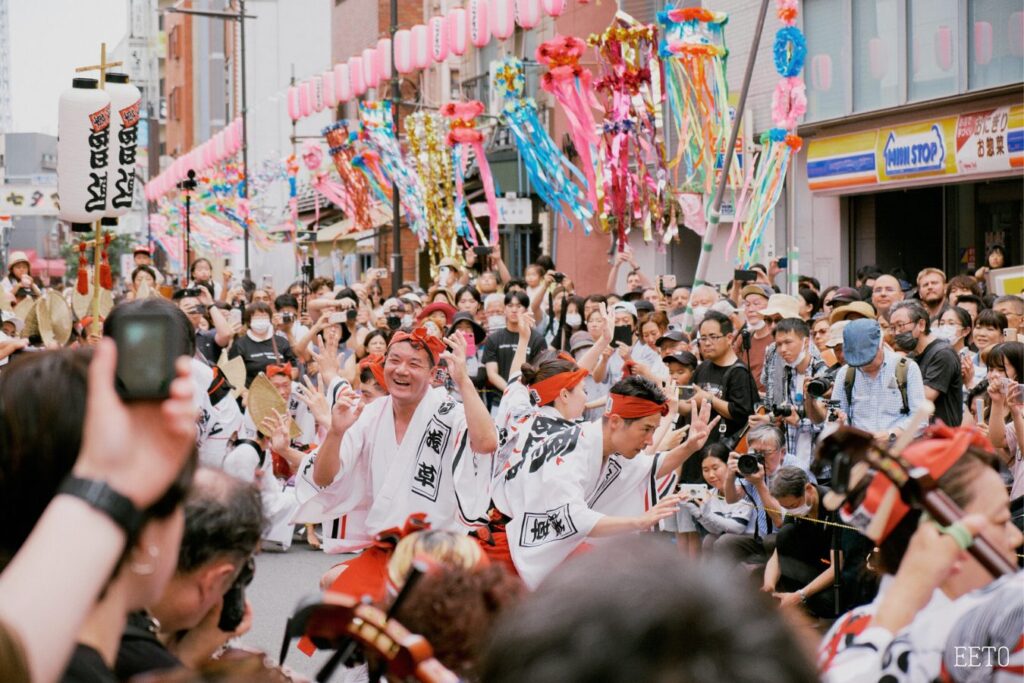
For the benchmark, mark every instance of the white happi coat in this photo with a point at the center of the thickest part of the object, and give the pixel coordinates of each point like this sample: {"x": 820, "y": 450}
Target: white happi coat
{"x": 278, "y": 501}
{"x": 211, "y": 441}
{"x": 297, "y": 410}
{"x": 555, "y": 488}
{"x": 433, "y": 471}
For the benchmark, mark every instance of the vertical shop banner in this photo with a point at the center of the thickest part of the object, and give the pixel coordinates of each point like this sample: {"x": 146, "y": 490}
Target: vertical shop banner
{"x": 916, "y": 150}
{"x": 990, "y": 141}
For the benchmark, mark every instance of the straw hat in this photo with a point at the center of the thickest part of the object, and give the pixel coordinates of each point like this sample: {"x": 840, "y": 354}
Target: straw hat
{"x": 24, "y": 307}
{"x": 54, "y": 318}
{"x": 233, "y": 369}
{"x": 264, "y": 402}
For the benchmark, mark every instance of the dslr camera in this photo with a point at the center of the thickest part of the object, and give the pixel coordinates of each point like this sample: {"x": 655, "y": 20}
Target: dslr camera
{"x": 782, "y": 410}
{"x": 819, "y": 386}
{"x": 747, "y": 463}
{"x": 233, "y": 610}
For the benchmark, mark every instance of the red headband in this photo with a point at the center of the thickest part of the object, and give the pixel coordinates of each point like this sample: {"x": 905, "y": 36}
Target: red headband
{"x": 375, "y": 362}
{"x": 420, "y": 337}
{"x": 274, "y": 370}
{"x": 631, "y": 407}
{"x": 547, "y": 390}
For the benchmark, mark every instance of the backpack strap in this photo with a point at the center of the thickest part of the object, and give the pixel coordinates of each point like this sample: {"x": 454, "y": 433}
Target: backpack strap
{"x": 851, "y": 375}
{"x": 902, "y": 368}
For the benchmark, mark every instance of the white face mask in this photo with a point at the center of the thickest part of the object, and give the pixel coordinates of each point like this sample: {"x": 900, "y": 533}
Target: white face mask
{"x": 949, "y": 334}
{"x": 573, "y": 320}
{"x": 799, "y": 359}
{"x": 756, "y": 325}
{"x": 408, "y": 320}
{"x": 799, "y": 511}
{"x": 699, "y": 313}
{"x": 495, "y": 322}
{"x": 260, "y": 326}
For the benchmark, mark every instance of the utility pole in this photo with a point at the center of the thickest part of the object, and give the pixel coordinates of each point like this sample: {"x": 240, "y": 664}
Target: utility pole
{"x": 396, "y": 211}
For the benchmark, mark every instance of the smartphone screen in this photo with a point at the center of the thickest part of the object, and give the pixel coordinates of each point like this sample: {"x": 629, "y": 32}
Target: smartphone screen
{"x": 147, "y": 348}
{"x": 337, "y": 318}
{"x": 668, "y": 283}
{"x": 235, "y": 316}
{"x": 686, "y": 392}
{"x": 470, "y": 343}
{"x": 744, "y": 275}
{"x": 783, "y": 262}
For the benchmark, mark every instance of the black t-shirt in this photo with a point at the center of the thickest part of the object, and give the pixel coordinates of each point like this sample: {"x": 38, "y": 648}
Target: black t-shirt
{"x": 140, "y": 650}
{"x": 940, "y": 370}
{"x": 734, "y": 384}
{"x": 206, "y": 344}
{"x": 259, "y": 354}
{"x": 500, "y": 347}
{"x": 87, "y": 666}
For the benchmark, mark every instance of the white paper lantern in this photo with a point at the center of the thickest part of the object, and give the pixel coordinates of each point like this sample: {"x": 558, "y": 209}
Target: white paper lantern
{"x": 370, "y": 74}
{"x": 458, "y": 32}
{"x": 479, "y": 23}
{"x": 124, "y": 136}
{"x": 317, "y": 88}
{"x": 355, "y": 71}
{"x": 554, "y": 8}
{"x": 502, "y": 16}
{"x": 327, "y": 81}
{"x": 342, "y": 83}
{"x": 403, "y": 51}
{"x": 527, "y": 13}
{"x": 294, "y": 109}
{"x": 420, "y": 46}
{"x": 383, "y": 55}
{"x": 438, "y": 27}
{"x": 83, "y": 151}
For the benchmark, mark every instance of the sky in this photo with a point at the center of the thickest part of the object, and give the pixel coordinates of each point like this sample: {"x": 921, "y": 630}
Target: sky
{"x": 49, "y": 38}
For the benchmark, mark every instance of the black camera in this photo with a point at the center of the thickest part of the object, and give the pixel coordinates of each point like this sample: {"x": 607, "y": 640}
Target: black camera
{"x": 193, "y": 292}
{"x": 819, "y": 386}
{"x": 783, "y": 410}
{"x": 233, "y": 610}
{"x": 149, "y": 344}
{"x": 558, "y": 277}
{"x": 747, "y": 463}
{"x": 287, "y": 318}
{"x": 394, "y": 322}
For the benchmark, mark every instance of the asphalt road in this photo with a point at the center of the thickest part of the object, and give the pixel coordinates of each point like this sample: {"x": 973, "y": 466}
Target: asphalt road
{"x": 281, "y": 580}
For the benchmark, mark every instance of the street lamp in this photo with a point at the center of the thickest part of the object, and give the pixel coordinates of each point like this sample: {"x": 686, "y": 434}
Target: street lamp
{"x": 188, "y": 185}
{"x": 240, "y": 17}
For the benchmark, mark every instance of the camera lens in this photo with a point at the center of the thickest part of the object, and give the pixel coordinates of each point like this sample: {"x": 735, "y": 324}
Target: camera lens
{"x": 747, "y": 464}
{"x": 819, "y": 386}
{"x": 782, "y": 410}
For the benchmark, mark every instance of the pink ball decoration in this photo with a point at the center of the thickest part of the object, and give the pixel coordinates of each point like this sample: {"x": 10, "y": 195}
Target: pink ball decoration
{"x": 478, "y": 22}
{"x": 944, "y": 47}
{"x": 294, "y": 111}
{"x": 327, "y": 81}
{"x": 554, "y": 8}
{"x": 305, "y": 99}
{"x": 420, "y": 47}
{"x": 982, "y": 42}
{"x": 342, "y": 83}
{"x": 438, "y": 27}
{"x": 355, "y": 70}
{"x": 502, "y": 14}
{"x": 384, "y": 59}
{"x": 403, "y": 51}
{"x": 527, "y": 13}
{"x": 458, "y": 32}
{"x": 370, "y": 75}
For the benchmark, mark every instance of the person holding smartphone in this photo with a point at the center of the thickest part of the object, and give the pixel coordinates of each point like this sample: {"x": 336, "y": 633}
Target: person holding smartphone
{"x": 632, "y": 355}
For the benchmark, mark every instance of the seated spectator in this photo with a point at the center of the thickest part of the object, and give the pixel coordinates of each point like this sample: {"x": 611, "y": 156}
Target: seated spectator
{"x": 711, "y": 513}
{"x": 619, "y": 613}
{"x": 794, "y": 574}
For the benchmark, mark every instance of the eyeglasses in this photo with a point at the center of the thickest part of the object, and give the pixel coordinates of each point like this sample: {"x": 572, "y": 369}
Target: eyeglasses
{"x": 708, "y": 338}
{"x": 902, "y": 327}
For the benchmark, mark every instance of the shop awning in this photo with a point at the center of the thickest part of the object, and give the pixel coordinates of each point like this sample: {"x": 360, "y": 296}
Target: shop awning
{"x": 53, "y": 267}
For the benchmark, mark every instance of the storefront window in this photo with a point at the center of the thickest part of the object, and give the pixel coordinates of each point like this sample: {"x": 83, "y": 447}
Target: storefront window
{"x": 932, "y": 48}
{"x": 875, "y": 64}
{"x": 827, "y": 68}
{"x": 995, "y": 35}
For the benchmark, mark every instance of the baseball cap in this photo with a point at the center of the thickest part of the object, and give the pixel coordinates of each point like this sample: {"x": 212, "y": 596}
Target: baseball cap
{"x": 580, "y": 340}
{"x": 835, "y": 334}
{"x": 644, "y": 305}
{"x": 672, "y": 336}
{"x": 624, "y": 306}
{"x": 683, "y": 358}
{"x": 142, "y": 249}
{"x": 633, "y": 295}
{"x": 849, "y": 311}
{"x": 861, "y": 340}
{"x": 760, "y": 290}
{"x": 845, "y": 295}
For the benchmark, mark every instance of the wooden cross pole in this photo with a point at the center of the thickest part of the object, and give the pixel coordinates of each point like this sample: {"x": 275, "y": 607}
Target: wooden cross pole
{"x": 96, "y": 327}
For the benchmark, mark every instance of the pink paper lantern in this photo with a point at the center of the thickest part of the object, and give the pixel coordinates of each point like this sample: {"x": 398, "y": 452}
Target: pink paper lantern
{"x": 327, "y": 82}
{"x": 370, "y": 75}
{"x": 317, "y": 91}
{"x": 944, "y": 47}
{"x": 502, "y": 15}
{"x": 1015, "y": 31}
{"x": 527, "y": 13}
{"x": 305, "y": 99}
{"x": 294, "y": 110}
{"x": 355, "y": 70}
{"x": 403, "y": 51}
{"x": 420, "y": 46}
{"x": 478, "y": 22}
{"x": 554, "y": 8}
{"x": 384, "y": 59}
{"x": 982, "y": 42}
{"x": 438, "y": 27}
{"x": 821, "y": 72}
{"x": 458, "y": 32}
{"x": 342, "y": 83}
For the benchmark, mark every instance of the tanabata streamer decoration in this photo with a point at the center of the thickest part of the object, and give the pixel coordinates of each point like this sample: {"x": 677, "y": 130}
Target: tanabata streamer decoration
{"x": 321, "y": 181}
{"x": 354, "y": 184}
{"x": 464, "y": 134}
{"x": 779, "y": 144}
{"x": 124, "y": 132}
{"x": 571, "y": 86}
{"x": 636, "y": 179}
{"x": 83, "y": 151}
{"x": 379, "y": 134}
{"x": 558, "y": 183}
{"x": 428, "y": 153}
{"x": 694, "y": 54}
